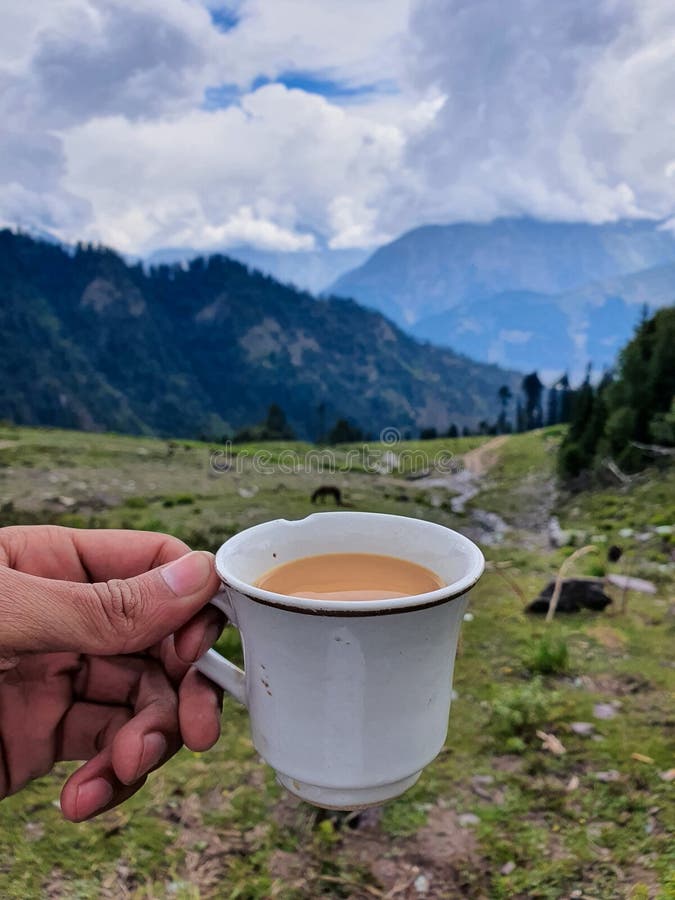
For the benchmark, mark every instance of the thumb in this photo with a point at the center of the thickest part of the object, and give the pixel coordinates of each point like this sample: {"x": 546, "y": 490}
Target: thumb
{"x": 117, "y": 616}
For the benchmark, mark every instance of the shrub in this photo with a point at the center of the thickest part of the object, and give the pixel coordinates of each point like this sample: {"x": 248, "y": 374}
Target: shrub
{"x": 549, "y": 656}
{"x": 518, "y": 712}
{"x": 136, "y": 502}
{"x": 178, "y": 500}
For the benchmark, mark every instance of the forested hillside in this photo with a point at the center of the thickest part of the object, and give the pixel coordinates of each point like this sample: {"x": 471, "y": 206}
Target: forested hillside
{"x": 88, "y": 341}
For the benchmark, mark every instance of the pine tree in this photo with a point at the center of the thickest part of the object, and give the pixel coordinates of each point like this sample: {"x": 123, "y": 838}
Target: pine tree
{"x": 532, "y": 388}
{"x": 553, "y": 404}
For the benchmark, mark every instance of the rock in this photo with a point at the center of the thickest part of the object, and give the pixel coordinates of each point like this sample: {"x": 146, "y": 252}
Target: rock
{"x": 585, "y": 729}
{"x": 557, "y": 537}
{"x": 668, "y": 775}
{"x": 664, "y": 530}
{"x": 575, "y": 594}
{"x": 507, "y": 868}
{"x": 422, "y": 884}
{"x": 247, "y": 493}
{"x": 626, "y": 532}
{"x": 482, "y": 779}
{"x": 604, "y": 711}
{"x": 468, "y": 617}
{"x": 641, "y": 585}
{"x": 572, "y": 784}
{"x": 551, "y": 743}
{"x": 466, "y": 820}
{"x": 387, "y": 462}
{"x": 67, "y": 501}
{"x": 608, "y": 776}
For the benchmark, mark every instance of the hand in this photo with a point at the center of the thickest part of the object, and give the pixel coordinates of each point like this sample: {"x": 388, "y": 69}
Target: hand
{"x": 97, "y": 633}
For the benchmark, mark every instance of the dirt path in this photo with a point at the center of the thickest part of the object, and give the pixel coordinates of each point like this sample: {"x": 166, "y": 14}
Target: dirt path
{"x": 466, "y": 483}
{"x": 481, "y": 459}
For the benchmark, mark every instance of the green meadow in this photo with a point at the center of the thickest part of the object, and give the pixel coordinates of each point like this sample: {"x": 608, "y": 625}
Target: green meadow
{"x": 583, "y": 812}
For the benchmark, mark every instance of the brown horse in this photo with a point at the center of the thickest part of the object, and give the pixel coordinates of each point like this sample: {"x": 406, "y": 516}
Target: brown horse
{"x": 329, "y": 490}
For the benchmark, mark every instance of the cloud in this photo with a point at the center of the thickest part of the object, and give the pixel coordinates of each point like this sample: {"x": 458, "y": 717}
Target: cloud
{"x": 555, "y": 110}
{"x": 289, "y": 158}
{"x": 151, "y": 123}
{"x": 148, "y": 124}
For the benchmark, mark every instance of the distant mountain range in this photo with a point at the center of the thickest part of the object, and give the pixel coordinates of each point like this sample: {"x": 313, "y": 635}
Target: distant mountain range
{"x": 90, "y": 341}
{"x": 310, "y": 270}
{"x": 520, "y": 292}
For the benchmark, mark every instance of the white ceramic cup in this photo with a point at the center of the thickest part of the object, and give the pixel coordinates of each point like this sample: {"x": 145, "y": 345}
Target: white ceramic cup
{"x": 348, "y": 701}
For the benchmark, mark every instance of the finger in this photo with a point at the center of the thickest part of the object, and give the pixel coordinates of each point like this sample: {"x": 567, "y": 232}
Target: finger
{"x": 153, "y": 734}
{"x": 199, "y": 634}
{"x": 119, "y": 553}
{"x": 78, "y": 554}
{"x": 94, "y": 788}
{"x": 106, "y": 618}
{"x": 111, "y": 679}
{"x": 199, "y": 708}
{"x": 174, "y": 667}
{"x": 89, "y": 727}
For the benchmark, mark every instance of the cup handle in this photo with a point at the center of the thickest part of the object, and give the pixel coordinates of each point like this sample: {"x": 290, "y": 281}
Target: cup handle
{"x": 225, "y": 674}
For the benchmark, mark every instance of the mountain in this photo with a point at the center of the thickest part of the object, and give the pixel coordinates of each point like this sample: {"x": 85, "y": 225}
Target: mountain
{"x": 309, "y": 270}
{"x": 520, "y": 292}
{"x": 553, "y": 332}
{"x": 89, "y": 341}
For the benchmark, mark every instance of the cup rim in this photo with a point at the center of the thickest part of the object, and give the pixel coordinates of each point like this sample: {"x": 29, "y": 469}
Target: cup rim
{"x": 357, "y": 607}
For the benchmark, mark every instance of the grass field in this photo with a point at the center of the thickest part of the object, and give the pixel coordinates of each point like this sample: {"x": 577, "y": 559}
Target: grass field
{"x": 496, "y": 815}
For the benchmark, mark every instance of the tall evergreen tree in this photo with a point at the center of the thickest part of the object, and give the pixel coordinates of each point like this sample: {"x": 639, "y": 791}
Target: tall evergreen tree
{"x": 565, "y": 404}
{"x": 533, "y": 388}
{"x": 636, "y": 406}
{"x": 504, "y": 393}
{"x": 553, "y": 404}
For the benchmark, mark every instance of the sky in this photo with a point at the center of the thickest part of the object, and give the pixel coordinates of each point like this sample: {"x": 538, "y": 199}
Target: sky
{"x": 293, "y": 124}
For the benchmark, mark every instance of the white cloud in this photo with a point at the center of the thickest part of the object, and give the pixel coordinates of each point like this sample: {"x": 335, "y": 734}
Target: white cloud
{"x": 283, "y": 154}
{"x": 561, "y": 111}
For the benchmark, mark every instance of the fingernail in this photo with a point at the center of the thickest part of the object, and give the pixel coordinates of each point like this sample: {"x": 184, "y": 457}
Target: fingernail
{"x": 189, "y": 574}
{"x": 154, "y": 748}
{"x": 210, "y": 637}
{"x": 92, "y": 796}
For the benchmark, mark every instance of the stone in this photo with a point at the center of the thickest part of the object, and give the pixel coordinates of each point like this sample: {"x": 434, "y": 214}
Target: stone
{"x": 585, "y": 729}
{"x": 422, "y": 884}
{"x": 625, "y": 583}
{"x": 466, "y": 820}
{"x": 608, "y": 776}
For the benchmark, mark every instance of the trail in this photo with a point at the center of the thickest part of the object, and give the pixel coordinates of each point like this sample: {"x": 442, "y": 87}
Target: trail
{"x": 481, "y": 459}
{"x": 466, "y": 483}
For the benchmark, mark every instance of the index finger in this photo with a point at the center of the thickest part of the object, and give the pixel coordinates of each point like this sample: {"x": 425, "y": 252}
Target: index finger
{"x": 119, "y": 553}
{"x": 74, "y": 554}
